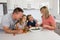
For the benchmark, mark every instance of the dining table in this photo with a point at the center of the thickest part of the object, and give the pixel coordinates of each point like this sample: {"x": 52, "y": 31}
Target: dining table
{"x": 42, "y": 34}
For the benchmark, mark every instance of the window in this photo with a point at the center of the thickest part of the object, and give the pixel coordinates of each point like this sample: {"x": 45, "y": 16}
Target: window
{"x": 3, "y": 10}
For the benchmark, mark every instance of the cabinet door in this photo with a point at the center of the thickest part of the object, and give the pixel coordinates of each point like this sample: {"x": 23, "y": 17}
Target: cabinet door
{"x": 1, "y": 11}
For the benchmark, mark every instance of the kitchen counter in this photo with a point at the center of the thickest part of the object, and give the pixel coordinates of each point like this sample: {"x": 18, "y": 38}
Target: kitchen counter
{"x": 36, "y": 35}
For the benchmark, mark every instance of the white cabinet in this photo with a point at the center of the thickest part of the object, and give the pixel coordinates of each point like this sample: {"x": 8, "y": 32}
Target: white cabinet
{"x": 3, "y": 1}
{"x": 30, "y": 4}
{"x": 1, "y": 11}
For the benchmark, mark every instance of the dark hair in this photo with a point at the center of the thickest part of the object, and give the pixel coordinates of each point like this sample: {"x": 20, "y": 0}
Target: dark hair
{"x": 17, "y": 10}
{"x": 28, "y": 16}
{"x": 43, "y": 8}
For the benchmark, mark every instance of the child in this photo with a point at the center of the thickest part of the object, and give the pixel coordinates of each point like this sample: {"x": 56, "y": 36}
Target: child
{"x": 21, "y": 24}
{"x": 31, "y": 22}
{"x": 48, "y": 21}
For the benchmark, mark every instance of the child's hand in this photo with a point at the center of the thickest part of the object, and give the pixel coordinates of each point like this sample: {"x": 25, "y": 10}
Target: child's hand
{"x": 37, "y": 25}
{"x": 30, "y": 26}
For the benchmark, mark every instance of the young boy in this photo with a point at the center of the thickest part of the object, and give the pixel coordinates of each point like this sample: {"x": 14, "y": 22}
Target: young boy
{"x": 31, "y": 22}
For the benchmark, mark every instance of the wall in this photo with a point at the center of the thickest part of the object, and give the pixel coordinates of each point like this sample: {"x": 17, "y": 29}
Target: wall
{"x": 2, "y": 1}
{"x": 52, "y": 5}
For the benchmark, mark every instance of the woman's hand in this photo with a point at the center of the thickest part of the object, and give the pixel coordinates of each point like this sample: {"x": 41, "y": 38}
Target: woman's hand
{"x": 46, "y": 26}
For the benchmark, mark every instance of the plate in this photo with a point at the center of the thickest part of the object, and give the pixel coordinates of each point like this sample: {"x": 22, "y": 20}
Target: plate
{"x": 33, "y": 29}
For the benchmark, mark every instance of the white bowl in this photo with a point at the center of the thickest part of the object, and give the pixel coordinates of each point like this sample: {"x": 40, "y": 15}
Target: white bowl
{"x": 34, "y": 29}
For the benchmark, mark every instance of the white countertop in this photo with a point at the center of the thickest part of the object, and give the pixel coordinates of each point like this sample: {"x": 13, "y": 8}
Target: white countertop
{"x": 37, "y": 35}
{"x": 57, "y": 20}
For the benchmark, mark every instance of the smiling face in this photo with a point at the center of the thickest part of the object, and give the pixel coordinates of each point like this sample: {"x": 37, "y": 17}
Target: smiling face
{"x": 24, "y": 18}
{"x": 31, "y": 18}
{"x": 43, "y": 11}
{"x": 18, "y": 15}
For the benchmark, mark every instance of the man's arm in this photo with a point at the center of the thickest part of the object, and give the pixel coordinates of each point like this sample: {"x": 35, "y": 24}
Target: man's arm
{"x": 7, "y": 30}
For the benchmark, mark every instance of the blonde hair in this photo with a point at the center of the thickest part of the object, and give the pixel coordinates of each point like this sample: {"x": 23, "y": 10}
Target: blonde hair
{"x": 47, "y": 11}
{"x": 21, "y": 20}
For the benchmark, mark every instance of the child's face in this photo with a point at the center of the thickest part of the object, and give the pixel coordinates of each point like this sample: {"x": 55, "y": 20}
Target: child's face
{"x": 30, "y": 18}
{"x": 24, "y": 18}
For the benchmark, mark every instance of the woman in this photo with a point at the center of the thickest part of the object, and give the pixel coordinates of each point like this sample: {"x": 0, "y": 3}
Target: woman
{"x": 48, "y": 21}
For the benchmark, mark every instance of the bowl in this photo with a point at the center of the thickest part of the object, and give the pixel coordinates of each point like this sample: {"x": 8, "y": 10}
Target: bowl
{"x": 34, "y": 29}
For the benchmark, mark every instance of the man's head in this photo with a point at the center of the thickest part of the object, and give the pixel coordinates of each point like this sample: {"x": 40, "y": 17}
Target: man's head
{"x": 17, "y": 13}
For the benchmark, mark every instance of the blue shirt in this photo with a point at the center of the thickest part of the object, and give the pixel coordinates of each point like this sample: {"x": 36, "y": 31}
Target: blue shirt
{"x": 31, "y": 23}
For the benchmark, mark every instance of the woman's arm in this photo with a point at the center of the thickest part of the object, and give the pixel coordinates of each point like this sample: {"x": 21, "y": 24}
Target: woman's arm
{"x": 52, "y": 25}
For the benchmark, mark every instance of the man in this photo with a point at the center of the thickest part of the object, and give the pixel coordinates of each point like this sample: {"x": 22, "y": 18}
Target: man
{"x": 9, "y": 20}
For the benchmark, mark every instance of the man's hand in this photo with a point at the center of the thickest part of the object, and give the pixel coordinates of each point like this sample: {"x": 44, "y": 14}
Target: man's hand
{"x": 7, "y": 30}
{"x": 17, "y": 32}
